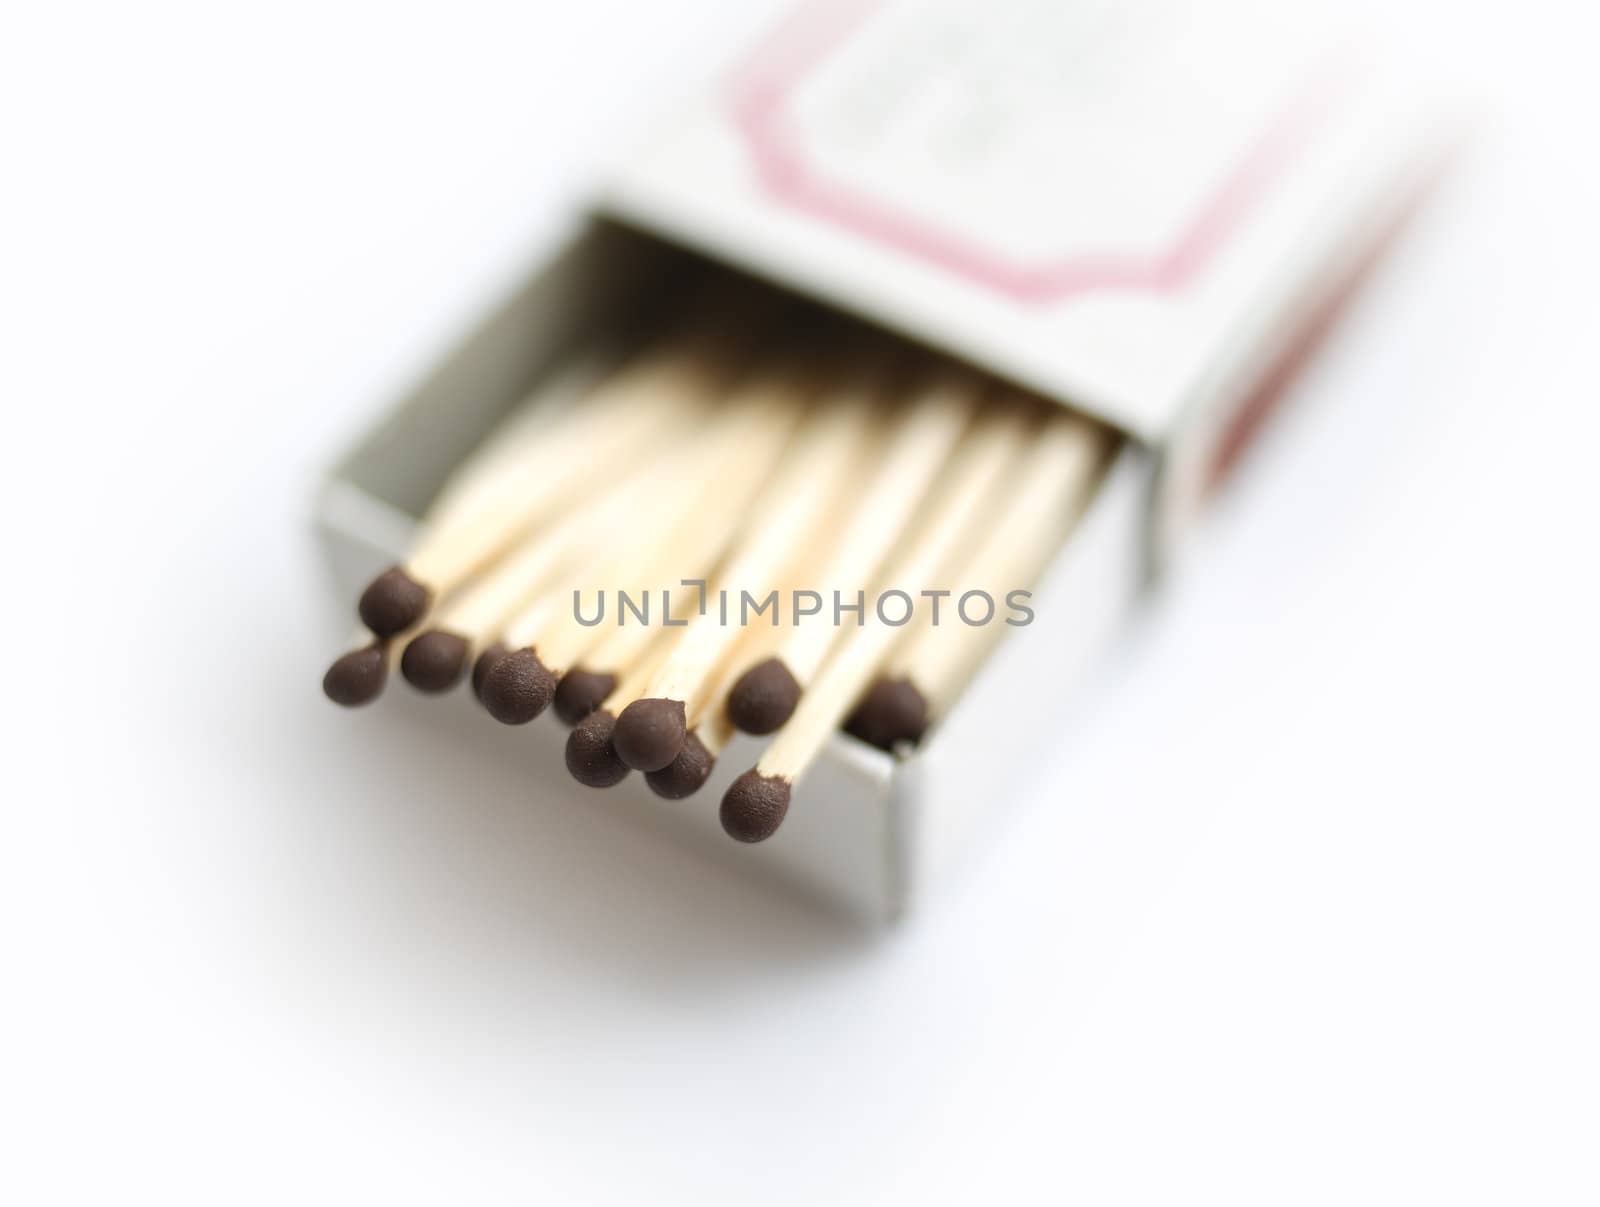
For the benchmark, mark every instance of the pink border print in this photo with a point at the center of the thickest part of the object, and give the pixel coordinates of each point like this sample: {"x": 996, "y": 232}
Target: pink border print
{"x": 815, "y": 29}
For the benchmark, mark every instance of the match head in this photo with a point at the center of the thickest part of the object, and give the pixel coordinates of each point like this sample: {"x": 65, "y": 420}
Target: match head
{"x": 686, "y": 774}
{"x": 481, "y": 668}
{"x": 393, "y": 602}
{"x": 591, "y": 757}
{"x": 764, "y": 697}
{"x": 358, "y": 677}
{"x": 434, "y": 661}
{"x": 650, "y": 733}
{"x": 580, "y": 692}
{"x": 517, "y": 688}
{"x": 754, "y": 805}
{"x": 893, "y": 711}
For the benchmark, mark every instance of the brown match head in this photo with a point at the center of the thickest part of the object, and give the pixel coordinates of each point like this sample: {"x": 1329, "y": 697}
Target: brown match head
{"x": 764, "y": 697}
{"x": 484, "y": 664}
{"x": 517, "y": 688}
{"x": 591, "y": 757}
{"x": 892, "y": 711}
{"x": 686, "y": 774}
{"x": 434, "y": 661}
{"x": 754, "y": 805}
{"x": 358, "y": 677}
{"x": 393, "y": 602}
{"x": 650, "y": 733}
{"x": 580, "y": 692}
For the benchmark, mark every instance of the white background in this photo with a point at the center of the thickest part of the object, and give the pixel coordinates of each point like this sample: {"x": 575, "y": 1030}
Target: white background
{"x": 1304, "y": 909}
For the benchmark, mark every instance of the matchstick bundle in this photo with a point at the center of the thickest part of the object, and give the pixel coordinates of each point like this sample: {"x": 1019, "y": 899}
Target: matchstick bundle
{"x": 764, "y": 519}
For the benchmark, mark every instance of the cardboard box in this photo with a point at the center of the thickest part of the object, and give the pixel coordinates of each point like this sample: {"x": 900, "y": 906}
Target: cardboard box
{"x": 1136, "y": 210}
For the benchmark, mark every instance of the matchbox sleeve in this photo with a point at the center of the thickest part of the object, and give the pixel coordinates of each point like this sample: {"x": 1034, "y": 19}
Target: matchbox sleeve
{"x": 1107, "y": 202}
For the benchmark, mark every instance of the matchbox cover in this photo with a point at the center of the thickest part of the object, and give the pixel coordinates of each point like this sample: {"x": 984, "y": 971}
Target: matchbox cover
{"x": 1115, "y": 204}
{"x": 1144, "y": 211}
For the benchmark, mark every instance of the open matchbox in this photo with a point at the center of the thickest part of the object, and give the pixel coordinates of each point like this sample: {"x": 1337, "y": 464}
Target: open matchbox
{"x": 1140, "y": 211}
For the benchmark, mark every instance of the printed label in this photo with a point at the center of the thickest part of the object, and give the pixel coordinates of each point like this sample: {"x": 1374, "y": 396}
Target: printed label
{"x": 1038, "y": 147}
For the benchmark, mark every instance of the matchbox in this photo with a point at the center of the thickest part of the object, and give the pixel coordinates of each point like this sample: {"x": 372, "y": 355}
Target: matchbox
{"x": 1132, "y": 210}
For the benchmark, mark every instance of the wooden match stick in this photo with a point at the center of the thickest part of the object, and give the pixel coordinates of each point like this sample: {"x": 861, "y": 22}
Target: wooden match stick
{"x": 597, "y": 657}
{"x": 650, "y": 731}
{"x": 694, "y": 509}
{"x": 958, "y": 513}
{"x": 596, "y": 665}
{"x": 719, "y": 322}
{"x": 473, "y": 618}
{"x": 764, "y": 697}
{"x": 391, "y": 604}
{"x": 510, "y": 678}
{"x": 930, "y": 667}
{"x": 593, "y": 678}
{"x": 628, "y": 411}
{"x": 590, "y": 755}
{"x": 536, "y": 421}
{"x": 703, "y": 744}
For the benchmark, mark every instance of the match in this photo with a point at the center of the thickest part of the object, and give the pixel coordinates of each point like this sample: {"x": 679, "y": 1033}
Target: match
{"x": 598, "y": 662}
{"x": 707, "y": 458}
{"x": 689, "y": 514}
{"x": 930, "y": 667}
{"x": 709, "y": 737}
{"x": 689, "y": 770}
{"x": 959, "y": 512}
{"x": 358, "y": 677}
{"x": 651, "y": 730}
{"x": 434, "y": 660}
{"x": 591, "y": 756}
{"x": 765, "y": 696}
{"x": 497, "y": 500}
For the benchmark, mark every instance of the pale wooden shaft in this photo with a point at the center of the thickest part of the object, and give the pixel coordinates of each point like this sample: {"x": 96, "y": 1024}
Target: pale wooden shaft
{"x": 689, "y": 518}
{"x": 714, "y": 727}
{"x": 619, "y": 647}
{"x": 777, "y": 533}
{"x": 627, "y": 413}
{"x": 631, "y": 684}
{"x": 481, "y": 611}
{"x": 641, "y": 502}
{"x": 886, "y": 508}
{"x": 955, "y": 512}
{"x": 541, "y": 420}
{"x": 1036, "y": 515}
